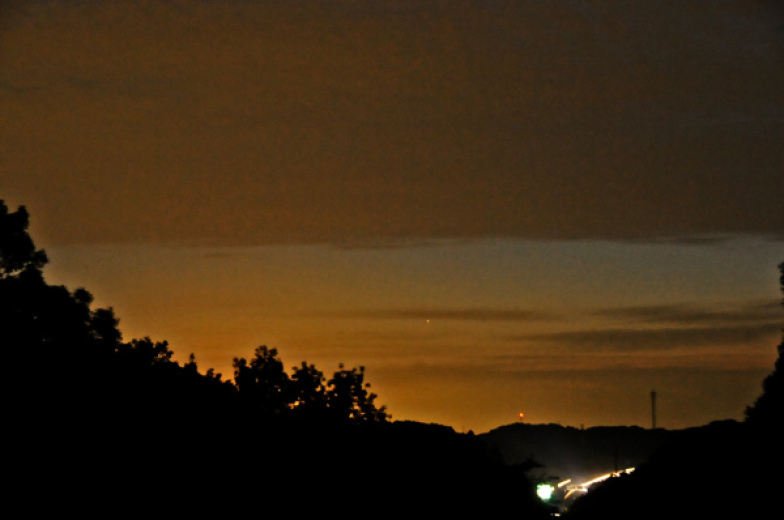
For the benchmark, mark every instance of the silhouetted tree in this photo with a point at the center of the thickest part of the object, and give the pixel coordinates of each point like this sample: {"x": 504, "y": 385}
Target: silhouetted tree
{"x": 124, "y": 413}
{"x": 50, "y": 320}
{"x": 17, "y": 251}
{"x": 191, "y": 366}
{"x": 104, "y": 328}
{"x": 39, "y": 319}
{"x": 308, "y": 391}
{"x": 145, "y": 352}
{"x": 263, "y": 382}
{"x": 348, "y": 397}
{"x": 211, "y": 374}
{"x": 768, "y": 410}
{"x": 733, "y": 468}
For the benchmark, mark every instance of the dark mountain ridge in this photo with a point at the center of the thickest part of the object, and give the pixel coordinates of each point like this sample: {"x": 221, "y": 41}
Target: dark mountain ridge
{"x": 565, "y": 452}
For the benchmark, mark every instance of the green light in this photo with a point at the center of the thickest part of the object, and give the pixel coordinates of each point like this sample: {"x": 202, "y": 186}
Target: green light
{"x": 544, "y": 491}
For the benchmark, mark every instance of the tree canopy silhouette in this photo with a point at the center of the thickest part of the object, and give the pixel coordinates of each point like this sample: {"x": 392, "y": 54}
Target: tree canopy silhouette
{"x": 57, "y": 332}
{"x": 726, "y": 468}
{"x": 349, "y": 399}
{"x": 142, "y": 431}
{"x": 264, "y": 383}
{"x": 768, "y": 410}
{"x": 17, "y": 251}
{"x": 41, "y": 319}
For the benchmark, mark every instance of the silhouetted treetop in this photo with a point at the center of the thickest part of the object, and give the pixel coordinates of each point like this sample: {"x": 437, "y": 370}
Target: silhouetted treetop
{"x": 308, "y": 390}
{"x": 17, "y": 251}
{"x": 264, "y": 383}
{"x": 768, "y": 409}
{"x": 349, "y": 399}
{"x": 145, "y": 352}
{"x": 125, "y": 414}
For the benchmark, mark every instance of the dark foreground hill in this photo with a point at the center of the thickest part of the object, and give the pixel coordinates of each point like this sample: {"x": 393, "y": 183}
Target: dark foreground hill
{"x": 297, "y": 469}
{"x": 148, "y": 453}
{"x": 95, "y": 426}
{"x": 702, "y": 472}
{"x": 579, "y": 454}
{"x": 724, "y": 470}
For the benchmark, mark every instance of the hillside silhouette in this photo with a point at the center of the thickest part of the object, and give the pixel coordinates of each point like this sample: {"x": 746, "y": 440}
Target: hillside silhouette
{"x": 565, "y": 452}
{"x": 99, "y": 425}
{"x": 725, "y": 469}
{"x": 722, "y": 469}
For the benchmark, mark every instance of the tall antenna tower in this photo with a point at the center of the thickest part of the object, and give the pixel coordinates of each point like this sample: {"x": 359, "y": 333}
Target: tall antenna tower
{"x": 653, "y": 409}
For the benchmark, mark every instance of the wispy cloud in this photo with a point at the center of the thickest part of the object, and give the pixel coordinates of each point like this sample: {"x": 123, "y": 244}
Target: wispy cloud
{"x": 668, "y": 327}
{"x": 704, "y": 240}
{"x": 465, "y": 314}
{"x": 660, "y": 338}
{"x": 750, "y": 312}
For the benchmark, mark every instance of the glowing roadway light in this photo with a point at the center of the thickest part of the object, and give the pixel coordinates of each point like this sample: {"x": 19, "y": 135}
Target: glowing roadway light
{"x": 584, "y": 486}
{"x": 544, "y": 491}
{"x": 605, "y": 477}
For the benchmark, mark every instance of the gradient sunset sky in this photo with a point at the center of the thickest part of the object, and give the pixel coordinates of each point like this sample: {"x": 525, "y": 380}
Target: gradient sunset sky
{"x": 495, "y": 206}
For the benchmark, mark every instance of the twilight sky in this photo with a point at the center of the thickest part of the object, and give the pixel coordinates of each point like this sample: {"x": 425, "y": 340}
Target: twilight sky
{"x": 495, "y": 206}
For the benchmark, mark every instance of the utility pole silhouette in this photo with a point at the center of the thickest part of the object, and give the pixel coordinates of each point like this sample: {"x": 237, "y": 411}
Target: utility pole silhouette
{"x": 653, "y": 409}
